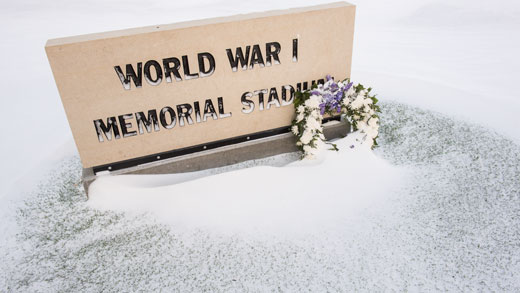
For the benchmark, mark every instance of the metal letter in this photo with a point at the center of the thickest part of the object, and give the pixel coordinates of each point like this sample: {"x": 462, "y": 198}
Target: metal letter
{"x": 270, "y": 53}
{"x": 248, "y": 103}
{"x": 295, "y": 50}
{"x": 162, "y": 117}
{"x": 197, "y": 111}
{"x": 233, "y": 62}
{"x": 256, "y": 57}
{"x": 260, "y": 95}
{"x": 221, "y": 113}
{"x": 286, "y": 102}
{"x": 209, "y": 110}
{"x": 101, "y": 128}
{"x": 125, "y": 125}
{"x": 130, "y": 73}
{"x": 158, "y": 72}
{"x": 169, "y": 70}
{"x": 186, "y": 66}
{"x": 152, "y": 119}
{"x": 273, "y": 99}
{"x": 202, "y": 66}
{"x": 184, "y": 112}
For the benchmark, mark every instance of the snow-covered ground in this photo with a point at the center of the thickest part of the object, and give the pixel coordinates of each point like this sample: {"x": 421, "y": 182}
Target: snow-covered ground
{"x": 449, "y": 224}
{"x": 439, "y": 209}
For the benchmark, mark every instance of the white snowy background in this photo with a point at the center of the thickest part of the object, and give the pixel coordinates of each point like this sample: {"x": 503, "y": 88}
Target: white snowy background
{"x": 435, "y": 208}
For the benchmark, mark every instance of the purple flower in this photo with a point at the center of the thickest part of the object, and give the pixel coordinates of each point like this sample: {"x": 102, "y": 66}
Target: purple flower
{"x": 332, "y": 95}
{"x": 322, "y": 108}
{"x": 347, "y": 87}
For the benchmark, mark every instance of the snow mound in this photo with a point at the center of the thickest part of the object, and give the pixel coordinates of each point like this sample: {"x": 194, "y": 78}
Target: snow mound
{"x": 301, "y": 197}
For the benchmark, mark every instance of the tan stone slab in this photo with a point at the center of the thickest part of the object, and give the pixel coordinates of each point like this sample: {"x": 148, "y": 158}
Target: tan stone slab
{"x": 91, "y": 89}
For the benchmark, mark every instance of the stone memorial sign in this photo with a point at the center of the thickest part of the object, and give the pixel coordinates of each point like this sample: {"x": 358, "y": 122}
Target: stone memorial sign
{"x": 141, "y": 92}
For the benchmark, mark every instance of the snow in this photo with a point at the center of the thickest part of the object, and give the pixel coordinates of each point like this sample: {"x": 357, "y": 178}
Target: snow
{"x": 302, "y": 197}
{"x": 451, "y": 225}
{"x": 456, "y": 75}
{"x": 442, "y": 213}
{"x": 466, "y": 45}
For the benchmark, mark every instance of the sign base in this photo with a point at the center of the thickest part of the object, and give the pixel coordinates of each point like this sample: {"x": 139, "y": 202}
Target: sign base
{"x": 221, "y": 156}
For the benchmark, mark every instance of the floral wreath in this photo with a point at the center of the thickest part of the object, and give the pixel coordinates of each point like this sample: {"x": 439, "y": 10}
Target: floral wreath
{"x": 353, "y": 103}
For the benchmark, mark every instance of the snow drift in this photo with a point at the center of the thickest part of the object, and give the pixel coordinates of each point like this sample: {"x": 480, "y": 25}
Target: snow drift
{"x": 303, "y": 196}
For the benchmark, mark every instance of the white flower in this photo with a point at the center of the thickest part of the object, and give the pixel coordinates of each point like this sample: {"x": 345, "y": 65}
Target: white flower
{"x": 367, "y": 101}
{"x": 328, "y": 83}
{"x": 313, "y": 102}
{"x": 350, "y": 91}
{"x": 312, "y": 124}
{"x": 306, "y": 137}
{"x": 361, "y": 125}
{"x": 373, "y": 122}
{"x": 300, "y": 109}
{"x": 299, "y": 143}
{"x": 310, "y": 152}
{"x": 357, "y": 103}
{"x": 371, "y": 133}
{"x": 300, "y": 117}
{"x": 294, "y": 129}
